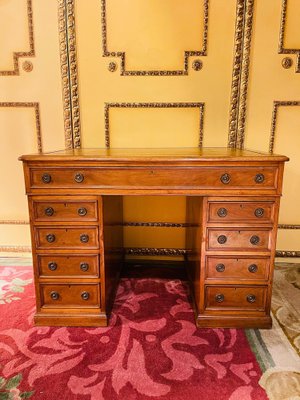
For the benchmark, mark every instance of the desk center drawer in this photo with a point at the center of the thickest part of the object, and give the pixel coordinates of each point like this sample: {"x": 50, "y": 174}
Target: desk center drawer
{"x": 156, "y": 176}
{"x": 67, "y": 238}
{"x": 239, "y": 239}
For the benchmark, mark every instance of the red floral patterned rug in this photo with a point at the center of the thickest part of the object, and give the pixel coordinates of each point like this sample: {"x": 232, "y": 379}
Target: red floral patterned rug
{"x": 151, "y": 350}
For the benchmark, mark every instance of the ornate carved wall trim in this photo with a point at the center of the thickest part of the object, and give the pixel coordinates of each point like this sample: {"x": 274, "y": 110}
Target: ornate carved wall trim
{"x": 15, "y": 249}
{"x": 36, "y": 107}
{"x": 122, "y": 55}
{"x": 288, "y": 226}
{"x": 160, "y": 224}
{"x": 153, "y": 105}
{"x": 281, "y": 48}
{"x": 276, "y": 105}
{"x": 31, "y": 52}
{"x": 288, "y": 253}
{"x": 153, "y": 251}
{"x": 13, "y": 222}
{"x": 68, "y": 61}
{"x": 240, "y": 73}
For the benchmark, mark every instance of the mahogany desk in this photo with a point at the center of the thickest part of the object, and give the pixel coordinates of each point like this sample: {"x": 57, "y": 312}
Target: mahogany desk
{"x": 75, "y": 203}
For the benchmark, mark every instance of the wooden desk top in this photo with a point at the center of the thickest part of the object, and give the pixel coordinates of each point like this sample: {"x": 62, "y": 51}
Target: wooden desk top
{"x": 193, "y": 154}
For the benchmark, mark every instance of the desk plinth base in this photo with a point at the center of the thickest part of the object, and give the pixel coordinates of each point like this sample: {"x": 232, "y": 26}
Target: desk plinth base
{"x": 99, "y": 319}
{"x": 204, "y": 321}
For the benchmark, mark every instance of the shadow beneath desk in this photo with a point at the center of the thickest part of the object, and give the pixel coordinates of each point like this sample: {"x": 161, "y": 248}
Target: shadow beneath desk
{"x": 153, "y": 269}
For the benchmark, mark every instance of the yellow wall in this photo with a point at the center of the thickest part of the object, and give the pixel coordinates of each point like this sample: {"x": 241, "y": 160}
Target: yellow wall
{"x": 65, "y": 93}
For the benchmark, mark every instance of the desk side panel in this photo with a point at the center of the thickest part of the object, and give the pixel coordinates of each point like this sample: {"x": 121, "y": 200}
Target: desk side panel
{"x": 112, "y": 236}
{"x": 194, "y": 212}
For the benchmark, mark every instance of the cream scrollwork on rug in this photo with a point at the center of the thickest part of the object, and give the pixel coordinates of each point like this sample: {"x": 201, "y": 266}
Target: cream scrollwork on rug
{"x": 281, "y": 384}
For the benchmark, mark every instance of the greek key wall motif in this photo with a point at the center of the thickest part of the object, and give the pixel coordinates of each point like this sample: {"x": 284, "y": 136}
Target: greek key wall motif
{"x": 122, "y": 55}
{"x": 18, "y": 54}
{"x": 276, "y": 106}
{"x": 286, "y": 62}
{"x": 153, "y": 105}
{"x": 36, "y": 108}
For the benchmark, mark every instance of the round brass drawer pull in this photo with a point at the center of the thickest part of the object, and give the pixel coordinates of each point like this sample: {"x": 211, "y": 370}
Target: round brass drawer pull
{"x": 225, "y": 178}
{"x": 79, "y": 178}
{"x": 259, "y": 212}
{"x": 220, "y": 298}
{"x": 222, "y": 239}
{"x": 84, "y": 238}
{"x": 54, "y": 295}
{"x": 52, "y": 266}
{"x": 85, "y": 295}
{"x": 254, "y": 239}
{"x": 82, "y": 211}
{"x": 252, "y": 268}
{"x": 50, "y": 238}
{"x": 259, "y": 178}
{"x": 84, "y": 266}
{"x": 46, "y": 178}
{"x": 251, "y": 298}
{"x": 220, "y": 267}
{"x": 222, "y": 212}
{"x": 49, "y": 211}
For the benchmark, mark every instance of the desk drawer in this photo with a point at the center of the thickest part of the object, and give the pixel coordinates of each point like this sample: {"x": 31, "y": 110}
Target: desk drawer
{"x": 241, "y": 211}
{"x": 152, "y": 177}
{"x": 57, "y": 266}
{"x": 239, "y": 239}
{"x": 70, "y": 296}
{"x": 236, "y": 297}
{"x": 237, "y": 268}
{"x": 64, "y": 210}
{"x": 67, "y": 238}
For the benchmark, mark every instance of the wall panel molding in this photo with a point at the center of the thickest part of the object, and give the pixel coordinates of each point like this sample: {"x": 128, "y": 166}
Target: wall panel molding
{"x": 15, "y": 249}
{"x": 160, "y": 224}
{"x": 153, "y": 251}
{"x": 13, "y": 222}
{"x": 122, "y": 55}
{"x": 276, "y": 105}
{"x": 68, "y": 61}
{"x": 288, "y": 226}
{"x": 153, "y": 105}
{"x": 240, "y": 73}
{"x": 18, "y": 54}
{"x": 281, "y": 48}
{"x": 36, "y": 108}
{"x": 287, "y": 253}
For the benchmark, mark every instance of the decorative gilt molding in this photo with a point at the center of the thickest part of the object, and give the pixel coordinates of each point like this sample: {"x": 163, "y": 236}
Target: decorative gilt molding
{"x": 68, "y": 62}
{"x": 276, "y": 105}
{"x": 27, "y": 66}
{"x": 122, "y": 55}
{"x": 13, "y": 222}
{"x": 152, "y": 105}
{"x": 153, "y": 251}
{"x": 288, "y": 226}
{"x": 18, "y": 54}
{"x": 281, "y": 48}
{"x": 15, "y": 249}
{"x": 36, "y": 107}
{"x": 240, "y": 73}
{"x": 160, "y": 224}
{"x": 288, "y": 253}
